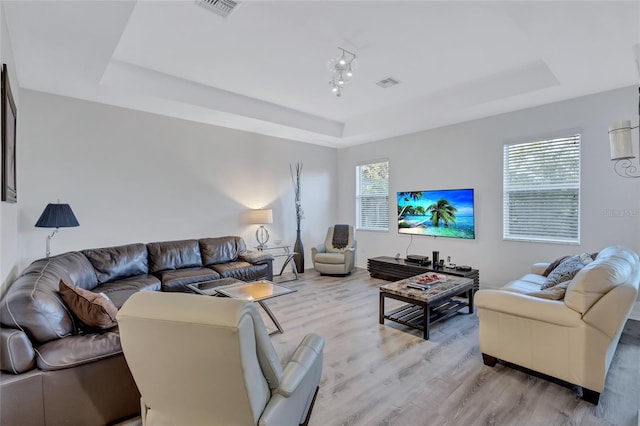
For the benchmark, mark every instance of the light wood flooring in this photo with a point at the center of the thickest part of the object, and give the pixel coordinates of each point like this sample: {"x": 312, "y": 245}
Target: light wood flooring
{"x": 389, "y": 375}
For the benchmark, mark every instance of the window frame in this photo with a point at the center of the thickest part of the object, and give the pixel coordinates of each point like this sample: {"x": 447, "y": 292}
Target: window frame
{"x": 359, "y": 196}
{"x": 572, "y": 185}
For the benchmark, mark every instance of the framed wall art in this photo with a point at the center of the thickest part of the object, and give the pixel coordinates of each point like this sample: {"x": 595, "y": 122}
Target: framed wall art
{"x": 9, "y": 114}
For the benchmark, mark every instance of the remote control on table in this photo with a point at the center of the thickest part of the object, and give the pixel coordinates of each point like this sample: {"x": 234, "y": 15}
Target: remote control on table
{"x": 419, "y": 286}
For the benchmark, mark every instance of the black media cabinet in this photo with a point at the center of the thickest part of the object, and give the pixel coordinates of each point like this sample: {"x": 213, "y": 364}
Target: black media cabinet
{"x": 391, "y": 269}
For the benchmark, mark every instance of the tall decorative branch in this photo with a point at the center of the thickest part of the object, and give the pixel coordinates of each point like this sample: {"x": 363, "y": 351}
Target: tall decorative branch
{"x": 296, "y": 171}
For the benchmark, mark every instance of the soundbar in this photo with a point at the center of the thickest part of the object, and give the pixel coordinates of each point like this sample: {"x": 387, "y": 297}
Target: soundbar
{"x": 416, "y": 258}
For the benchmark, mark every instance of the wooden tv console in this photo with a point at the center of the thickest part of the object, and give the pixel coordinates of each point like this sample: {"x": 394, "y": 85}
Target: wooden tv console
{"x": 391, "y": 269}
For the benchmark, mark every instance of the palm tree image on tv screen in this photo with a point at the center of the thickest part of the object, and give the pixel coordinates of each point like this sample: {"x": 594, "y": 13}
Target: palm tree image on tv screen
{"x": 437, "y": 213}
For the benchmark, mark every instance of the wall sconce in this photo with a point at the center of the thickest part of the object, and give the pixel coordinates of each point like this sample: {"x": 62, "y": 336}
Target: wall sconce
{"x": 622, "y": 147}
{"x": 56, "y": 216}
{"x": 261, "y": 217}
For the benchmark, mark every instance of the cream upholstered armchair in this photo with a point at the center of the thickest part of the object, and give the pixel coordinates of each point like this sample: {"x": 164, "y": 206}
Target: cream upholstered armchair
{"x": 208, "y": 360}
{"x": 337, "y": 255}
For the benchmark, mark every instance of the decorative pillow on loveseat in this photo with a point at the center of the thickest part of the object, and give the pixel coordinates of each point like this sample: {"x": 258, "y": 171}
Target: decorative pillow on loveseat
{"x": 553, "y": 265}
{"x": 94, "y": 310}
{"x": 556, "y": 292}
{"x": 567, "y": 269}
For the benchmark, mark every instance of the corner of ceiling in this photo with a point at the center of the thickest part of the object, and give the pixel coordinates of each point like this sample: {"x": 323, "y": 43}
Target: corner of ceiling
{"x": 136, "y": 80}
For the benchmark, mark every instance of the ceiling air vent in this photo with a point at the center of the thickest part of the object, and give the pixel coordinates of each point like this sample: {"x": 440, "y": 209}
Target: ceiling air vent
{"x": 387, "y": 82}
{"x": 220, "y": 7}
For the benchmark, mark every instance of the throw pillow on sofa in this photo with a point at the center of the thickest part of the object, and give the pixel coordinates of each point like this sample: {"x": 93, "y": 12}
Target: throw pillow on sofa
{"x": 94, "y": 310}
{"x": 556, "y": 292}
{"x": 553, "y": 265}
{"x": 566, "y": 270}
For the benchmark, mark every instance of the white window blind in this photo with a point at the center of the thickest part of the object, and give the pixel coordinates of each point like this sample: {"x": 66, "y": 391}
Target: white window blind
{"x": 372, "y": 196}
{"x": 542, "y": 191}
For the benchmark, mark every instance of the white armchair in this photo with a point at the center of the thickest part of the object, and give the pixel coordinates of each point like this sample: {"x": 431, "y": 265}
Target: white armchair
{"x": 336, "y": 256}
{"x": 572, "y": 339}
{"x": 209, "y": 360}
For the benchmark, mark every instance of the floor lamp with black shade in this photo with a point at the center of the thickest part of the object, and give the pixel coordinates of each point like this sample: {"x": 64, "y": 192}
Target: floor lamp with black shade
{"x": 56, "y": 216}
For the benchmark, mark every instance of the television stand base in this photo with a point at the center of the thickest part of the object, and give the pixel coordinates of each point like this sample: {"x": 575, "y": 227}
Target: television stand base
{"x": 390, "y": 269}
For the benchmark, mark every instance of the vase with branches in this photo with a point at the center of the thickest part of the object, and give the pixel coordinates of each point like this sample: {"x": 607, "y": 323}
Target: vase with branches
{"x": 296, "y": 171}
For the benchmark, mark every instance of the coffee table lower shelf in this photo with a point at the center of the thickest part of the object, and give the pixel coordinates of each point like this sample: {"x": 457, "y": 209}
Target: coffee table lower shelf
{"x": 420, "y": 315}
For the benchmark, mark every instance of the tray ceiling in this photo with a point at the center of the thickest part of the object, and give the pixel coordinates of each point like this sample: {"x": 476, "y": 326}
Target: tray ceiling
{"x": 263, "y": 68}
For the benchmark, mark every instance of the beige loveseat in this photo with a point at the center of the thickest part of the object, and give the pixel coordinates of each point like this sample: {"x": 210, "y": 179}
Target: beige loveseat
{"x": 572, "y": 339}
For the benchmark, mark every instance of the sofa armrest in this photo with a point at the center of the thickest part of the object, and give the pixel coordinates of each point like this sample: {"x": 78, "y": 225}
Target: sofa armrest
{"x": 610, "y": 313}
{"x": 255, "y": 256}
{"x": 530, "y": 307}
{"x": 315, "y": 250}
{"x": 16, "y": 351}
{"x": 539, "y": 268}
{"x": 301, "y": 363}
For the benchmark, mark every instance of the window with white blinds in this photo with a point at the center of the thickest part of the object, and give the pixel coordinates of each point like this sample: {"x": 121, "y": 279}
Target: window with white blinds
{"x": 372, "y": 196}
{"x": 542, "y": 191}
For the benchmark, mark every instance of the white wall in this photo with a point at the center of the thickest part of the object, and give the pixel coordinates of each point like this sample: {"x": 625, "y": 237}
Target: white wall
{"x": 137, "y": 177}
{"x": 132, "y": 176}
{"x": 469, "y": 155}
{"x": 9, "y": 267}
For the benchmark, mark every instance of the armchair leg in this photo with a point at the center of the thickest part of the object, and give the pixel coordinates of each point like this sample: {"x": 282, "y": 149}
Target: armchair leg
{"x": 489, "y": 360}
{"x": 590, "y": 396}
{"x": 313, "y": 401}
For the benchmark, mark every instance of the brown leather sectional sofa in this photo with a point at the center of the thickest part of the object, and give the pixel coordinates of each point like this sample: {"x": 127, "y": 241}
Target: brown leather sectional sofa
{"x": 55, "y": 372}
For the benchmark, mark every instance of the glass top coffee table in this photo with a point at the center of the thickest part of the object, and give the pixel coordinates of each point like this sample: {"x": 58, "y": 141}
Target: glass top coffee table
{"x": 256, "y": 291}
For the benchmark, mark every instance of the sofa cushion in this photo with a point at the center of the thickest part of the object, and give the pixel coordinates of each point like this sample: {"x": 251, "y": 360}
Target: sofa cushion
{"x": 556, "y": 292}
{"x": 567, "y": 269}
{"x": 120, "y": 290}
{"x": 177, "y": 280}
{"x": 73, "y": 267}
{"x": 173, "y": 255}
{"x": 525, "y": 284}
{"x": 94, "y": 310}
{"x": 218, "y": 250}
{"x": 243, "y": 271}
{"x": 112, "y": 263}
{"x": 32, "y": 303}
{"x": 332, "y": 258}
{"x": 255, "y": 256}
{"x": 77, "y": 350}
{"x": 612, "y": 267}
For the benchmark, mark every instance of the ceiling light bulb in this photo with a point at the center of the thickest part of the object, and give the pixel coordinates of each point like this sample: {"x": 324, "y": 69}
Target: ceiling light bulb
{"x": 341, "y": 69}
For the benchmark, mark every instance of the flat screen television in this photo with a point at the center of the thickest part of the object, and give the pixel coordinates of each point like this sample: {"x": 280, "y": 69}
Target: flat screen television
{"x": 437, "y": 213}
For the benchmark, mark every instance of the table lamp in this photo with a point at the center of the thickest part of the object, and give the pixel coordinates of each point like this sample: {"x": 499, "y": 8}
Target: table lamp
{"x": 261, "y": 217}
{"x": 56, "y": 216}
